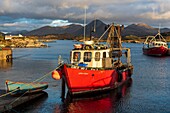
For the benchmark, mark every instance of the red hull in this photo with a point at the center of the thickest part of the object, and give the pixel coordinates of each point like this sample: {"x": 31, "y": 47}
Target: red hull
{"x": 84, "y": 81}
{"x": 155, "y": 51}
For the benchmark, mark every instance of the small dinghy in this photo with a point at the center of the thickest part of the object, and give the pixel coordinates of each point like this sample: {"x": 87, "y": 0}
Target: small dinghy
{"x": 25, "y": 87}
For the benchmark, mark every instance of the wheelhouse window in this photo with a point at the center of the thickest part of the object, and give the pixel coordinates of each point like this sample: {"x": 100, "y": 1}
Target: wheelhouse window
{"x": 76, "y": 56}
{"x": 97, "y": 56}
{"x": 87, "y": 56}
{"x": 104, "y": 54}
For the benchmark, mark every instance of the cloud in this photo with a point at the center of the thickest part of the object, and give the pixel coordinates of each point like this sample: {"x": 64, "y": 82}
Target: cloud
{"x": 157, "y": 12}
{"x": 156, "y": 16}
{"x": 60, "y": 23}
{"x": 23, "y": 24}
{"x": 30, "y": 14}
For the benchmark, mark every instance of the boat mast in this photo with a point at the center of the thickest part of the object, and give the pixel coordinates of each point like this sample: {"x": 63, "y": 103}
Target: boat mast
{"x": 84, "y": 23}
{"x": 159, "y": 32}
{"x": 93, "y": 30}
{"x": 114, "y": 36}
{"x": 114, "y": 41}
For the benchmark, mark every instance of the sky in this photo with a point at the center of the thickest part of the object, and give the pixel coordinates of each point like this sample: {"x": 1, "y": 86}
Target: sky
{"x": 16, "y": 15}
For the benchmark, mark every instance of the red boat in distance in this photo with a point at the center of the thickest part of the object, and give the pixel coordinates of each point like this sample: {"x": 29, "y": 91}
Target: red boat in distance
{"x": 155, "y": 45}
{"x": 95, "y": 67}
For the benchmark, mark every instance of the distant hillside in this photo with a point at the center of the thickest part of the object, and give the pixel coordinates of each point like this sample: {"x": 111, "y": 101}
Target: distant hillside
{"x": 48, "y": 30}
{"x": 1, "y": 34}
{"x": 74, "y": 30}
{"x": 99, "y": 29}
{"x": 166, "y": 33}
{"x": 139, "y": 30}
{"x": 164, "y": 30}
{"x": 23, "y": 32}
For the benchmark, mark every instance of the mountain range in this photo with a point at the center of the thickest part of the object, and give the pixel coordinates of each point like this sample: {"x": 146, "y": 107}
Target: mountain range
{"x": 140, "y": 30}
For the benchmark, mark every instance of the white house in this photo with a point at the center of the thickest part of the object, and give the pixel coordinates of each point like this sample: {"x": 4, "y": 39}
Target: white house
{"x": 9, "y": 37}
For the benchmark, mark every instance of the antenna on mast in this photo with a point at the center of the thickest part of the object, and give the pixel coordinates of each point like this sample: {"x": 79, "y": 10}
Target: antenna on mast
{"x": 94, "y": 29}
{"x": 84, "y": 23}
{"x": 159, "y": 31}
{"x": 159, "y": 28}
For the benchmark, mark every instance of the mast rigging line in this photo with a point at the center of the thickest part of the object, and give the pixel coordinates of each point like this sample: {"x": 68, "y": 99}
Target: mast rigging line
{"x": 103, "y": 34}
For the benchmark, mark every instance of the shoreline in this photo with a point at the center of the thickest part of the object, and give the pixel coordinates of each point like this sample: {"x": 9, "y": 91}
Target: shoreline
{"x": 40, "y": 42}
{"x": 22, "y": 43}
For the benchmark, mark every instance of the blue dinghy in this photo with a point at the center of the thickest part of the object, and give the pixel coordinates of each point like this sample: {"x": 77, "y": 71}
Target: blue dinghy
{"x": 25, "y": 87}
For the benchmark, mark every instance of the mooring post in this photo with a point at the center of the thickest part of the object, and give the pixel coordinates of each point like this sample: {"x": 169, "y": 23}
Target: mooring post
{"x": 5, "y": 53}
{"x": 63, "y": 89}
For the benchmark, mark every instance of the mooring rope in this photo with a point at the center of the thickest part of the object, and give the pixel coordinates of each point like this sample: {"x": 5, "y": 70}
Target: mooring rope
{"x": 3, "y": 95}
{"x": 37, "y": 80}
{"x": 19, "y": 97}
{"x": 9, "y": 107}
{"x": 14, "y": 110}
{"x": 43, "y": 77}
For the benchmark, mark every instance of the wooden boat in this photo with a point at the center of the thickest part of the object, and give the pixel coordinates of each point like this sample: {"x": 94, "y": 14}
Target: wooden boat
{"x": 25, "y": 87}
{"x": 155, "y": 45}
{"x": 96, "y": 67}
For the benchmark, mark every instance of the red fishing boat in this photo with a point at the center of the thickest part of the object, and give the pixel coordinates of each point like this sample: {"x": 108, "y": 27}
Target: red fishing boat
{"x": 96, "y": 67}
{"x": 155, "y": 45}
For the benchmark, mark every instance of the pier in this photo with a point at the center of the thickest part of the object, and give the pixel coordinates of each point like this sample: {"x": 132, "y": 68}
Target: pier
{"x": 5, "y": 53}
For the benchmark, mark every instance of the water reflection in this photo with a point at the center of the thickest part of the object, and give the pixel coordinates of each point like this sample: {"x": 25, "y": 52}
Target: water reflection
{"x": 6, "y": 64}
{"x": 33, "y": 106}
{"x": 100, "y": 103}
{"x": 24, "y": 103}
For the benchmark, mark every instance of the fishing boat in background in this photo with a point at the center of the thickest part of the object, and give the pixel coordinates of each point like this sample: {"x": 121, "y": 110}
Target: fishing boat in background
{"x": 25, "y": 87}
{"x": 95, "y": 67}
{"x": 155, "y": 45}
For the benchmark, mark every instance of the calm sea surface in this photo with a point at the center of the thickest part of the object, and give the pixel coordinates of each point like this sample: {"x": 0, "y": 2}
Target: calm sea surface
{"x": 147, "y": 92}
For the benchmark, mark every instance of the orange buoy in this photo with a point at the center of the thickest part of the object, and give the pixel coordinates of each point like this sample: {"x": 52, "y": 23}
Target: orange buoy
{"x": 56, "y": 75}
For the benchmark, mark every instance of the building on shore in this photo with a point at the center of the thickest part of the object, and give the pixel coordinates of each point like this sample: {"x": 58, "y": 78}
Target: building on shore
{"x": 9, "y": 37}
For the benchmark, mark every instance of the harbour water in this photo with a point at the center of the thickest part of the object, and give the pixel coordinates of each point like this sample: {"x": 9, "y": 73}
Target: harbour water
{"x": 147, "y": 92}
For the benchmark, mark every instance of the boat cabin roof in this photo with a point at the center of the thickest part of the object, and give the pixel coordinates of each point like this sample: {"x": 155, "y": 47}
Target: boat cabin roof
{"x": 96, "y": 55}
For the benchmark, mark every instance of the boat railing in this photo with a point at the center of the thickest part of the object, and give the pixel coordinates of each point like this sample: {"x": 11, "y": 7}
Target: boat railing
{"x": 92, "y": 68}
{"x": 127, "y": 54}
{"x": 153, "y": 38}
{"x": 161, "y": 38}
{"x": 62, "y": 60}
{"x": 115, "y": 56}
